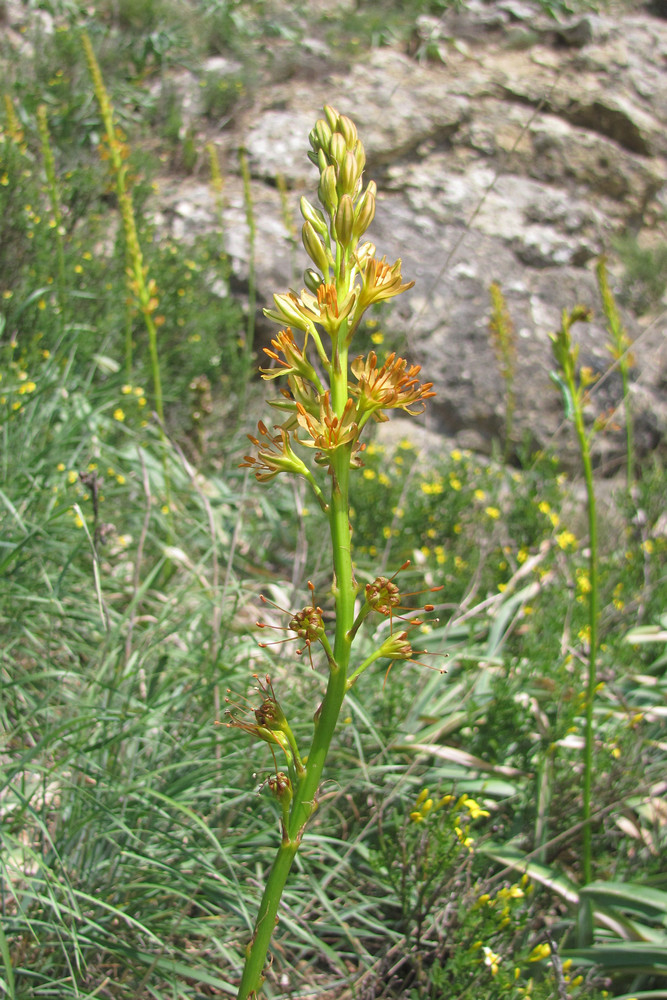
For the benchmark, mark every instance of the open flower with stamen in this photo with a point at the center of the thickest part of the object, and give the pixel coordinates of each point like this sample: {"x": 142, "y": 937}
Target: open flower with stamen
{"x": 392, "y": 386}
{"x": 332, "y": 313}
{"x": 275, "y": 455}
{"x": 292, "y": 362}
{"x": 328, "y": 432}
{"x": 381, "y": 281}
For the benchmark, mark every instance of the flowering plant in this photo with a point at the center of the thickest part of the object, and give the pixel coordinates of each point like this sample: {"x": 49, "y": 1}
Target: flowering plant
{"x": 329, "y": 399}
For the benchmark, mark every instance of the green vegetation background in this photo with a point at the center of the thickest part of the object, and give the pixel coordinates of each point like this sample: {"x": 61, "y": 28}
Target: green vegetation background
{"x": 446, "y": 859}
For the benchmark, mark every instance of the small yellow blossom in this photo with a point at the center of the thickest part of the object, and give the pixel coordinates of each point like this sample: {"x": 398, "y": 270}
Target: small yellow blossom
{"x": 456, "y": 455}
{"x": 72, "y": 476}
{"x": 369, "y": 474}
{"x": 539, "y": 952}
{"x": 480, "y": 495}
{"x": 455, "y": 483}
{"x": 491, "y": 959}
{"x": 377, "y": 338}
{"x": 475, "y": 809}
{"x": 126, "y": 390}
{"x": 60, "y": 466}
{"x": 492, "y": 512}
{"x": 648, "y": 546}
{"x": 119, "y": 414}
{"x": 544, "y": 507}
{"x": 566, "y": 540}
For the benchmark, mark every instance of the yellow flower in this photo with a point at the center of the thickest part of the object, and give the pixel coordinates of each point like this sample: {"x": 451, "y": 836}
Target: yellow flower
{"x": 72, "y": 477}
{"x": 475, "y": 809}
{"x": 491, "y": 959}
{"x": 456, "y": 455}
{"x": 126, "y": 390}
{"x": 492, "y": 512}
{"x": 566, "y": 540}
{"x": 539, "y": 952}
{"x": 119, "y": 414}
{"x": 455, "y": 483}
{"x": 369, "y": 474}
{"x": 544, "y": 507}
{"x": 480, "y": 495}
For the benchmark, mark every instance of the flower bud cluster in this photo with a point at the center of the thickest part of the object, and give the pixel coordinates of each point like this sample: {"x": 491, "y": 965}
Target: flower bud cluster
{"x": 328, "y": 401}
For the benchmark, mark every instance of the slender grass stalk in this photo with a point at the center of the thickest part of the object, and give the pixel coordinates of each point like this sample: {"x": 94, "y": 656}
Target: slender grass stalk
{"x": 54, "y": 198}
{"x": 574, "y": 383}
{"x": 290, "y": 227}
{"x": 252, "y": 277}
{"x": 619, "y": 348}
{"x": 329, "y": 411}
{"x": 503, "y": 341}
{"x": 218, "y": 185}
{"x": 142, "y": 289}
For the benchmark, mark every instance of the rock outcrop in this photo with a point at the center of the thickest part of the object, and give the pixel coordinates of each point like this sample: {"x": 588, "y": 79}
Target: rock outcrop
{"x": 517, "y": 156}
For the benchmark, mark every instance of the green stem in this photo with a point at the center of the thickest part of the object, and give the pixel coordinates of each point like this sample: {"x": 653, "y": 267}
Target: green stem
{"x": 304, "y": 802}
{"x": 584, "y": 445}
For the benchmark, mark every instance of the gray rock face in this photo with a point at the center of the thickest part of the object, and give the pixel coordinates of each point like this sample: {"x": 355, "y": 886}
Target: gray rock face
{"x": 511, "y": 159}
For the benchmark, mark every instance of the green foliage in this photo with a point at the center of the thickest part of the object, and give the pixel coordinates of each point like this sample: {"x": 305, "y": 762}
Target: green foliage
{"x": 133, "y": 843}
{"x": 645, "y": 273}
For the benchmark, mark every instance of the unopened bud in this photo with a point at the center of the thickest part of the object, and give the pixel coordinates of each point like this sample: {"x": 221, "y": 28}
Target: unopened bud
{"x": 344, "y": 221}
{"x": 349, "y": 130}
{"x": 322, "y": 162}
{"x": 320, "y": 137}
{"x": 365, "y": 212}
{"x": 314, "y": 246}
{"x": 312, "y": 280}
{"x": 349, "y": 174}
{"x": 327, "y": 190}
{"x": 332, "y": 116}
{"x": 360, "y": 157}
{"x": 314, "y": 216}
{"x": 337, "y": 148}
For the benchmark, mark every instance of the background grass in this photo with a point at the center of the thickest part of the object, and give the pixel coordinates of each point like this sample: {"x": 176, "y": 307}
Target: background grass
{"x": 135, "y": 838}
